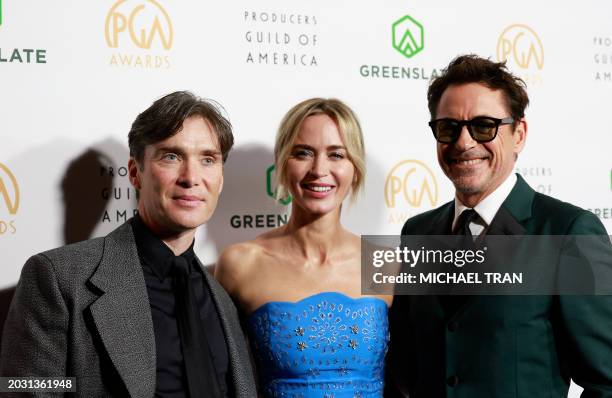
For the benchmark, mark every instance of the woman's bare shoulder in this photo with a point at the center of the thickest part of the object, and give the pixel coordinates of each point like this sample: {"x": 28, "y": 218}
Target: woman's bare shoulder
{"x": 239, "y": 255}
{"x": 235, "y": 263}
{"x": 239, "y": 259}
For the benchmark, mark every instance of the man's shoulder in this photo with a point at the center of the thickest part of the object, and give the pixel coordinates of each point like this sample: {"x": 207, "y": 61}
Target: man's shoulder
{"x": 75, "y": 251}
{"x": 554, "y": 207}
{"x": 70, "y": 266}
{"x": 422, "y": 223}
{"x": 79, "y": 257}
{"x": 565, "y": 217}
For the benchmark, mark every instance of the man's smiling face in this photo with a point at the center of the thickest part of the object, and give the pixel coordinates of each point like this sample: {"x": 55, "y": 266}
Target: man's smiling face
{"x": 477, "y": 169}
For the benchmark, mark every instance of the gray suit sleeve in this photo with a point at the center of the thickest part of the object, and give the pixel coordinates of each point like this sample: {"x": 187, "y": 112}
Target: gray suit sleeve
{"x": 34, "y": 342}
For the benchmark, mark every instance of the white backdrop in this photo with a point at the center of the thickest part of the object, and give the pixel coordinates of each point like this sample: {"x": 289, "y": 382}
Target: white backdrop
{"x": 74, "y": 75}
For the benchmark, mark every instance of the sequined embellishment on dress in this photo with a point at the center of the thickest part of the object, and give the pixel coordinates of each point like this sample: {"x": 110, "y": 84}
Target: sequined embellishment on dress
{"x": 326, "y": 345}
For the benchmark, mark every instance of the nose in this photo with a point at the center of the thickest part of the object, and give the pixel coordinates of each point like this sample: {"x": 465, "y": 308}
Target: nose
{"x": 465, "y": 140}
{"x": 319, "y": 166}
{"x": 189, "y": 174}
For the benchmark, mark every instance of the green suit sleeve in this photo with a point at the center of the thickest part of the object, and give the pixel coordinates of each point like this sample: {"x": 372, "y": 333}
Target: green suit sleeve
{"x": 585, "y": 324}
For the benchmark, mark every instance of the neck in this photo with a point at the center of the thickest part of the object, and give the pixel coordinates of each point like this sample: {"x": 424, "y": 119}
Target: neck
{"x": 178, "y": 242}
{"x": 315, "y": 236}
{"x": 470, "y": 199}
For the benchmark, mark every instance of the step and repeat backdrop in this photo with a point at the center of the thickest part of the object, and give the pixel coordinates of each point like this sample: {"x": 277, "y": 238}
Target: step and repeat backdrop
{"x": 74, "y": 75}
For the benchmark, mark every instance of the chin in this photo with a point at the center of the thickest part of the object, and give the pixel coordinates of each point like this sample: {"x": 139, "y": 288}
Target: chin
{"x": 467, "y": 189}
{"x": 467, "y": 185}
{"x": 317, "y": 209}
{"x": 320, "y": 212}
{"x": 190, "y": 221}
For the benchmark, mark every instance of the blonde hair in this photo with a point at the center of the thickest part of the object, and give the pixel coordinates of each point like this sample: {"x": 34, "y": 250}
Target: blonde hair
{"x": 348, "y": 127}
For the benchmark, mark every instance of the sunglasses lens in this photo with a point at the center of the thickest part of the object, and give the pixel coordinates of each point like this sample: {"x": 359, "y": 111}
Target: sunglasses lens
{"x": 483, "y": 129}
{"x": 446, "y": 130}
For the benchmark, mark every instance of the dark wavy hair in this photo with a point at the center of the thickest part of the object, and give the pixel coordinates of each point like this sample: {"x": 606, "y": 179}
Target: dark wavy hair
{"x": 471, "y": 68}
{"x": 165, "y": 118}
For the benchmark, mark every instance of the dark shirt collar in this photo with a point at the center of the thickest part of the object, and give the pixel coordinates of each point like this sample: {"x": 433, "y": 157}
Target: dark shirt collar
{"x": 154, "y": 252}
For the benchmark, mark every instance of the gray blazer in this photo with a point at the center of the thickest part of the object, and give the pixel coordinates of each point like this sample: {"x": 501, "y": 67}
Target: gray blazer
{"x": 82, "y": 310}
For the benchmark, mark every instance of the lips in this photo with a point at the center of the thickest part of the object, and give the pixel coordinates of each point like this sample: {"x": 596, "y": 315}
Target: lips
{"x": 467, "y": 162}
{"x": 317, "y": 187}
{"x": 188, "y": 200}
{"x": 317, "y": 190}
{"x": 466, "y": 159}
{"x": 187, "y": 197}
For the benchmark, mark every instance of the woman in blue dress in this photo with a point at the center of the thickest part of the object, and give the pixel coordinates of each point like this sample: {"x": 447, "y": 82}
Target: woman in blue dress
{"x": 312, "y": 333}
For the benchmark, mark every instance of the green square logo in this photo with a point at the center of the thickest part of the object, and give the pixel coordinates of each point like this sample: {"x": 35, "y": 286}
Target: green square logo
{"x": 0, "y": 12}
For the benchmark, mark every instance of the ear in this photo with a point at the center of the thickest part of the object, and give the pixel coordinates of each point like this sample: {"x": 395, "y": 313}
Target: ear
{"x": 133, "y": 173}
{"x": 520, "y": 136}
{"x": 221, "y": 183}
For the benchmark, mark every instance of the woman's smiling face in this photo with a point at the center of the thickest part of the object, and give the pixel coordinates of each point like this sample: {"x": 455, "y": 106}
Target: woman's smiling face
{"x": 319, "y": 173}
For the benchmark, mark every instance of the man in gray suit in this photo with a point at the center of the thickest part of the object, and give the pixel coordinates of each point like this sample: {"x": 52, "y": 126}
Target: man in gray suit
{"x": 134, "y": 313}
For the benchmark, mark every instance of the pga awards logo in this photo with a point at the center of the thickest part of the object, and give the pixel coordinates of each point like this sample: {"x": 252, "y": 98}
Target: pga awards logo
{"x": 410, "y": 189}
{"x": 140, "y": 34}
{"x": 520, "y": 46}
{"x": 9, "y": 201}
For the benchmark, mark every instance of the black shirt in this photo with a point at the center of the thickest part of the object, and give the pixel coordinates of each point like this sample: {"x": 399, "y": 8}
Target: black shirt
{"x": 155, "y": 258}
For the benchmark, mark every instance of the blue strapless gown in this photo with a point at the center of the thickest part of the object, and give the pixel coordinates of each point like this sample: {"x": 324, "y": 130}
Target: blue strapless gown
{"x": 327, "y": 345}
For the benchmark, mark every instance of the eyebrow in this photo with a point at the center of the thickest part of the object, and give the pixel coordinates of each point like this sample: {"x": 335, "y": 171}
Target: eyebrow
{"x": 474, "y": 117}
{"x": 181, "y": 151}
{"x": 329, "y": 148}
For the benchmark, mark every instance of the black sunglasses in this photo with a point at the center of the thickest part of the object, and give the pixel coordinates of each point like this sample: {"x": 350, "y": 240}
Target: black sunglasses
{"x": 481, "y": 128}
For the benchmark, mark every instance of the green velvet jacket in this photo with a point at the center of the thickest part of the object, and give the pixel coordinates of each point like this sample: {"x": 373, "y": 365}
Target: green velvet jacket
{"x": 503, "y": 346}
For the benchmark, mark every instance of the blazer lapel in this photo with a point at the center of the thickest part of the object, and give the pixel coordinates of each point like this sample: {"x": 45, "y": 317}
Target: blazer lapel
{"x": 508, "y": 220}
{"x": 443, "y": 222}
{"x": 122, "y": 314}
{"x": 514, "y": 212}
{"x": 242, "y": 376}
{"x": 441, "y": 225}
{"x": 226, "y": 324}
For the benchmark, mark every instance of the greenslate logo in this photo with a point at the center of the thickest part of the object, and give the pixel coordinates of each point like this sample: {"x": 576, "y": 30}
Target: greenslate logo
{"x": 271, "y": 189}
{"x": 0, "y": 12}
{"x": 408, "y": 36}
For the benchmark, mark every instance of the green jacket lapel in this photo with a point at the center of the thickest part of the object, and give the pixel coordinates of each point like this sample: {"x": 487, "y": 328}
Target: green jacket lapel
{"x": 515, "y": 211}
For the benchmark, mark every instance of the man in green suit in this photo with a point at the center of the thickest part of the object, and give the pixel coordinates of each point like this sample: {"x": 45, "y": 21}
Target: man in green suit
{"x": 503, "y": 345}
